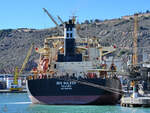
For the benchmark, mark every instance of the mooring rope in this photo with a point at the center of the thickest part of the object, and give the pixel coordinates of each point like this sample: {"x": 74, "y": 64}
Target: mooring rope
{"x": 113, "y": 90}
{"x": 109, "y": 89}
{"x": 99, "y": 86}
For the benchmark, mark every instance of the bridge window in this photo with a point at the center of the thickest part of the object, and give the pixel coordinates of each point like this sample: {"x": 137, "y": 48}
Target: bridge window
{"x": 67, "y": 34}
{"x": 71, "y": 29}
{"x": 70, "y": 34}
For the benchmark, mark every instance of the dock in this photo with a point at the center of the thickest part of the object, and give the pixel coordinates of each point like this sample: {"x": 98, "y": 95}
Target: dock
{"x": 135, "y": 102}
{"x": 8, "y": 91}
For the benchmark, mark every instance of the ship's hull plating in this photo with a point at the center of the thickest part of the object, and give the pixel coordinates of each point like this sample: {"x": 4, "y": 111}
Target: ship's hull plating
{"x": 59, "y": 92}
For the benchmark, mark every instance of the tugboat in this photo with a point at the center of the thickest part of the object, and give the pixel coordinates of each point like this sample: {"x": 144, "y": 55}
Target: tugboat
{"x": 69, "y": 73}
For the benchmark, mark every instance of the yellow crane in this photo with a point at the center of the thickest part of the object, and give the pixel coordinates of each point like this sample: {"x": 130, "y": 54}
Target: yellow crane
{"x": 135, "y": 38}
{"x": 134, "y": 66}
{"x": 14, "y": 86}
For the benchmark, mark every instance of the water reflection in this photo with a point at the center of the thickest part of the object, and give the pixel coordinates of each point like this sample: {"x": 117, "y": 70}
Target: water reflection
{"x": 27, "y": 107}
{"x": 82, "y": 109}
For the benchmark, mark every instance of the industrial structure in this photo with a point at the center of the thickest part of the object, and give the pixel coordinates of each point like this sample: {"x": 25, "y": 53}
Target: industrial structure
{"x": 15, "y": 86}
{"x": 135, "y": 38}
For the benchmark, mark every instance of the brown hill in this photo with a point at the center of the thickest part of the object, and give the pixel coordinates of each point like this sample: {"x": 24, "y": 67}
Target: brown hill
{"x": 14, "y": 43}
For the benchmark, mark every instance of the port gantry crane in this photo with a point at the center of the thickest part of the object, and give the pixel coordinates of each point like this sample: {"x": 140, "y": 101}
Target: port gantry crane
{"x": 14, "y": 86}
{"x": 135, "y": 63}
{"x": 135, "y": 38}
{"x": 134, "y": 68}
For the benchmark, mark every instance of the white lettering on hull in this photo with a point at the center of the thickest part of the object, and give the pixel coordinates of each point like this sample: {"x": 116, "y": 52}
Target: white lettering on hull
{"x": 65, "y": 85}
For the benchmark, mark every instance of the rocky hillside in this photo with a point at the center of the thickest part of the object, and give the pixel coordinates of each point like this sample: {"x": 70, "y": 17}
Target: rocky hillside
{"x": 14, "y": 43}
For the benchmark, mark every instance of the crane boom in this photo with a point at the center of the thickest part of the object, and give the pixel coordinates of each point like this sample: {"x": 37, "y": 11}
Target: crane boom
{"x": 50, "y": 16}
{"x": 26, "y": 59}
{"x": 135, "y": 37}
{"x": 60, "y": 19}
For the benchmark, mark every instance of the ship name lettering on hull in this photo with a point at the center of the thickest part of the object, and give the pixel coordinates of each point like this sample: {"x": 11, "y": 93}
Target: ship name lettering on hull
{"x": 65, "y": 85}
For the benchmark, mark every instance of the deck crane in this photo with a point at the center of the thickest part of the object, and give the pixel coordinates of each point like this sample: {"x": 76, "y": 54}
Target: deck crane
{"x": 60, "y": 20}
{"x": 14, "y": 86}
{"x": 51, "y": 17}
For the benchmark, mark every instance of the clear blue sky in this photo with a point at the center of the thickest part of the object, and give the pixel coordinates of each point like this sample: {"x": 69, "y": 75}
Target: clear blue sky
{"x": 29, "y": 13}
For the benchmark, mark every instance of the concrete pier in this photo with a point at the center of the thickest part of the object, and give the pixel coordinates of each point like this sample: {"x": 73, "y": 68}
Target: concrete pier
{"x": 135, "y": 102}
{"x": 8, "y": 91}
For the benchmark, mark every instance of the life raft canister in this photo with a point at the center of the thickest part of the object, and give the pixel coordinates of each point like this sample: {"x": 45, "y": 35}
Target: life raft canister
{"x": 45, "y": 65}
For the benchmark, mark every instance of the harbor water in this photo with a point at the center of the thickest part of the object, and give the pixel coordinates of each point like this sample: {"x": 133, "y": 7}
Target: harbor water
{"x": 20, "y": 103}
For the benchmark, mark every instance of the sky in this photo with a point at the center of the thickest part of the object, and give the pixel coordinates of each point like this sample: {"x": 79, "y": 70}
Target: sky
{"x": 29, "y": 13}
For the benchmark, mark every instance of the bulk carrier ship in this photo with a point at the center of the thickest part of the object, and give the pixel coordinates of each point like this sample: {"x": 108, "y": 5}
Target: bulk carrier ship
{"x": 71, "y": 73}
